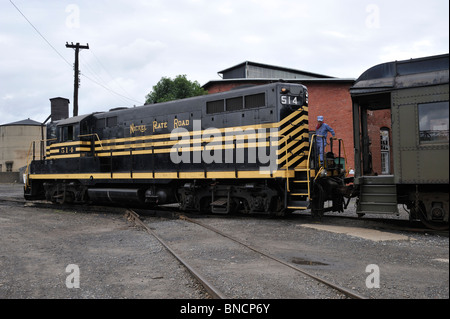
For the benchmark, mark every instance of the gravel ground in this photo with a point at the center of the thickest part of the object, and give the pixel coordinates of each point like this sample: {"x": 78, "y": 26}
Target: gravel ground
{"x": 414, "y": 267}
{"x": 118, "y": 260}
{"x": 114, "y": 258}
{"x": 236, "y": 271}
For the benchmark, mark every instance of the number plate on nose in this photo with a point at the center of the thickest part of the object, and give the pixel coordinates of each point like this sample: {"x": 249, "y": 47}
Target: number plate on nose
{"x": 291, "y": 100}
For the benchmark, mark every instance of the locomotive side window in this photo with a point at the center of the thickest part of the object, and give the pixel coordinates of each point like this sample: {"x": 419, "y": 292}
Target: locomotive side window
{"x": 255, "y": 100}
{"x": 214, "y": 107}
{"x": 433, "y": 122}
{"x": 67, "y": 133}
{"x": 111, "y": 121}
{"x": 101, "y": 123}
{"x": 84, "y": 128}
{"x": 70, "y": 133}
{"x": 51, "y": 134}
{"x": 234, "y": 104}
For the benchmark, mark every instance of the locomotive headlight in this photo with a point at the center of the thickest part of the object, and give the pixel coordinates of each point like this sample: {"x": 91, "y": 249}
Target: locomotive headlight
{"x": 284, "y": 91}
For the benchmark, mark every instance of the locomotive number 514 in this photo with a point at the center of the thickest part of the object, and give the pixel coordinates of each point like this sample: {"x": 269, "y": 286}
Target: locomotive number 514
{"x": 292, "y": 100}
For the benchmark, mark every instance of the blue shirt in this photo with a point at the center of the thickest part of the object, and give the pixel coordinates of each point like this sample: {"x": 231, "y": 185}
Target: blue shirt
{"x": 323, "y": 131}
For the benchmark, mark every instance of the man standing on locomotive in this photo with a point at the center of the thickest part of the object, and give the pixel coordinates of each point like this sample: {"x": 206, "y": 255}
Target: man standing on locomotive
{"x": 322, "y": 130}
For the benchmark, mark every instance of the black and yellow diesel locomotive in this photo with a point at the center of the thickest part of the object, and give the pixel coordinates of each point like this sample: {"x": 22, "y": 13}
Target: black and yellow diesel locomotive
{"x": 246, "y": 150}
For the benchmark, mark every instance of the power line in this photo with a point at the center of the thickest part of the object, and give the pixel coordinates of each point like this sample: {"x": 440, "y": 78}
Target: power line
{"x": 105, "y": 85}
{"x": 106, "y": 88}
{"x": 120, "y": 86}
{"x": 65, "y": 60}
{"x": 92, "y": 72}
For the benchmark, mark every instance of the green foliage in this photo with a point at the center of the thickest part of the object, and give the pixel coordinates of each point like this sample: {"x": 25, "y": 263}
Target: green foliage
{"x": 179, "y": 88}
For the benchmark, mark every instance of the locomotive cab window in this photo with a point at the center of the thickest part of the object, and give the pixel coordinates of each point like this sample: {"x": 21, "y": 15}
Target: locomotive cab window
{"x": 52, "y": 136}
{"x": 111, "y": 121}
{"x": 433, "y": 122}
{"x": 67, "y": 133}
{"x": 84, "y": 128}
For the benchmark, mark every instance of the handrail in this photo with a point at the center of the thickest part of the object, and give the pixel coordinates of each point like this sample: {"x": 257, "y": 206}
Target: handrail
{"x": 42, "y": 156}
{"x": 324, "y": 166}
{"x": 287, "y": 162}
{"x": 93, "y": 134}
{"x": 28, "y": 164}
{"x": 345, "y": 156}
{"x": 308, "y": 173}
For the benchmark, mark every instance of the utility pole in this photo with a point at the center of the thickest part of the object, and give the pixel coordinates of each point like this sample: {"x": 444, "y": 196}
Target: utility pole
{"x": 76, "y": 85}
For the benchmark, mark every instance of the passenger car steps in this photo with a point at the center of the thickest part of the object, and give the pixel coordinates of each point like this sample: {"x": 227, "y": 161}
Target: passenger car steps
{"x": 378, "y": 195}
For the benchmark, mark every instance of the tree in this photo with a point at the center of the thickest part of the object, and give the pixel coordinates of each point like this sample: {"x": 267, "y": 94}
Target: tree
{"x": 179, "y": 88}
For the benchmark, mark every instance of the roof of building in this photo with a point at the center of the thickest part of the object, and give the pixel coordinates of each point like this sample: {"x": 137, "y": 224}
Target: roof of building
{"x": 257, "y": 73}
{"x": 59, "y": 98}
{"x": 262, "y": 81}
{"x": 27, "y": 122}
{"x": 249, "y": 69}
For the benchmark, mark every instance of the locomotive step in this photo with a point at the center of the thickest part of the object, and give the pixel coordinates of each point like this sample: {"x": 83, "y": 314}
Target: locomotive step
{"x": 220, "y": 202}
{"x": 220, "y": 206}
{"x": 298, "y": 192}
{"x": 298, "y": 205}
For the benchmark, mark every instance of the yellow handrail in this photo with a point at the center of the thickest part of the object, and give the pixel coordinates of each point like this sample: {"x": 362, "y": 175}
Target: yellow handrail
{"x": 93, "y": 134}
{"x": 28, "y": 164}
{"x": 287, "y": 162}
{"x": 322, "y": 167}
{"x": 308, "y": 173}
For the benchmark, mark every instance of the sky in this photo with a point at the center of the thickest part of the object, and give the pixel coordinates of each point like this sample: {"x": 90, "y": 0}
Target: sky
{"x": 134, "y": 43}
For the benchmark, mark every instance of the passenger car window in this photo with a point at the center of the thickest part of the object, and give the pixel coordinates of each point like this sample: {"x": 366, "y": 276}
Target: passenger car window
{"x": 433, "y": 122}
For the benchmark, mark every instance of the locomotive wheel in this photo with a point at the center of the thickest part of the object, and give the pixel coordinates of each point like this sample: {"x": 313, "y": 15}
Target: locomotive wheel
{"x": 205, "y": 205}
{"x": 63, "y": 197}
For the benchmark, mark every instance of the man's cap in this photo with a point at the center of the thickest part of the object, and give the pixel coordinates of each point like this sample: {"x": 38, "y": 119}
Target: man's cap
{"x": 320, "y": 118}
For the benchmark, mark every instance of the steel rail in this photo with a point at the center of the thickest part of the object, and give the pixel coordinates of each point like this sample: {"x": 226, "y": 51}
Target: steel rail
{"x": 345, "y": 291}
{"x": 213, "y": 291}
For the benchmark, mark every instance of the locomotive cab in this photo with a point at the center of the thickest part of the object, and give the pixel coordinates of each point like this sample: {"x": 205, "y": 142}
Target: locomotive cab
{"x": 69, "y": 141}
{"x": 72, "y": 136}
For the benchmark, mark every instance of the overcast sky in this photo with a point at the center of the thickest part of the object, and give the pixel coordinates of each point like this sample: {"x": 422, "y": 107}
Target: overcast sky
{"x": 135, "y": 43}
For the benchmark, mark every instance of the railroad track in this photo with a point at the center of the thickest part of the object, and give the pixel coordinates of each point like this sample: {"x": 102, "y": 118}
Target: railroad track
{"x": 385, "y": 223}
{"x": 210, "y": 288}
{"x": 388, "y": 224}
{"x": 215, "y": 292}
